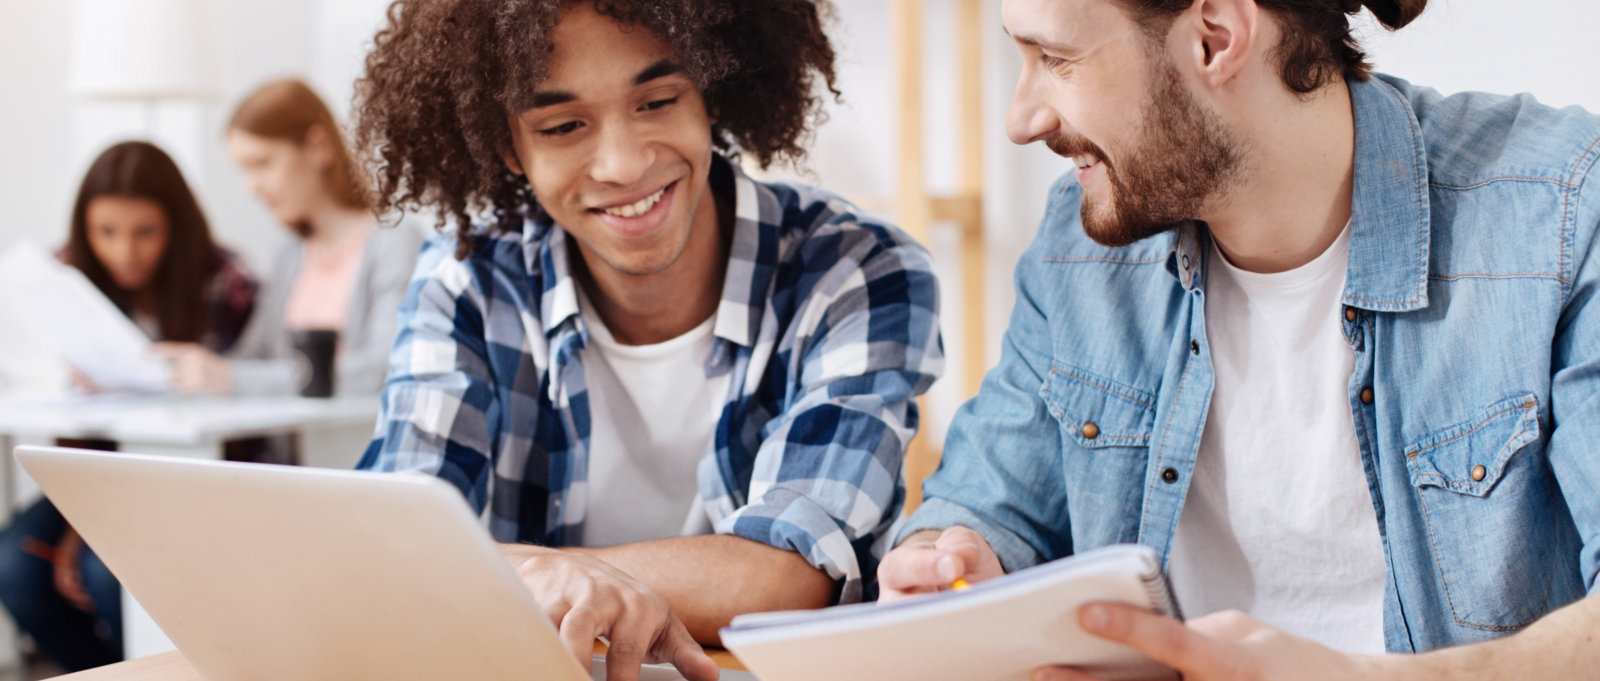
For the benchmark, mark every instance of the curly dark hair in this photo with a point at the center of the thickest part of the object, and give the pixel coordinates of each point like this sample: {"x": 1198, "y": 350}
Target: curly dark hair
{"x": 431, "y": 110}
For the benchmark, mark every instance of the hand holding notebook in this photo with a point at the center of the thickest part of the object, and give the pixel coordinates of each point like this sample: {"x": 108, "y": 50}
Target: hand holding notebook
{"x": 997, "y": 630}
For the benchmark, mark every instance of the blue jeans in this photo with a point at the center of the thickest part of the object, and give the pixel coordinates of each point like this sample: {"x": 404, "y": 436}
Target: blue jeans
{"x": 71, "y": 638}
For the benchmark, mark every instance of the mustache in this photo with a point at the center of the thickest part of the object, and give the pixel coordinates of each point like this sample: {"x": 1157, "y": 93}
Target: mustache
{"x": 1067, "y": 145}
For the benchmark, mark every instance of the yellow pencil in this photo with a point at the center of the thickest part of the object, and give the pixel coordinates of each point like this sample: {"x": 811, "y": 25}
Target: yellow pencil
{"x": 959, "y": 584}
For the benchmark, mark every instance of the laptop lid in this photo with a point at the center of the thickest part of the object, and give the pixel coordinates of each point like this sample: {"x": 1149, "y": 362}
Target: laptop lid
{"x": 277, "y": 572}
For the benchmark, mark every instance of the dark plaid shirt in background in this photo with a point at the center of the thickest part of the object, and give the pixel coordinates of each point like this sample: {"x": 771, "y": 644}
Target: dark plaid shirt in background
{"x": 828, "y": 326}
{"x": 230, "y": 299}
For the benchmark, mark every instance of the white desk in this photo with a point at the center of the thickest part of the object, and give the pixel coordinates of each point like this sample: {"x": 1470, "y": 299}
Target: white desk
{"x": 190, "y": 427}
{"x": 333, "y": 433}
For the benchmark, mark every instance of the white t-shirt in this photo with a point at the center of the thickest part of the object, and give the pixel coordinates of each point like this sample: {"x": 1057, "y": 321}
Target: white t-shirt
{"x": 1279, "y": 520}
{"x": 653, "y": 416}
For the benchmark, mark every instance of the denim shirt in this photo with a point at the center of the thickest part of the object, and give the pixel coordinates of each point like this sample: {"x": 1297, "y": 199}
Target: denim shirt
{"x": 1470, "y": 305}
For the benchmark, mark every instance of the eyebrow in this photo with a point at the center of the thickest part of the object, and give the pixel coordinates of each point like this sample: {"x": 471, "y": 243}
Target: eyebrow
{"x": 1041, "y": 43}
{"x": 660, "y": 69}
{"x": 546, "y": 98}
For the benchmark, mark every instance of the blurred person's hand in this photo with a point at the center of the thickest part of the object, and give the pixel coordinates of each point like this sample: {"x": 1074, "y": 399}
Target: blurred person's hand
{"x": 195, "y": 369}
{"x": 69, "y": 570}
{"x": 83, "y": 384}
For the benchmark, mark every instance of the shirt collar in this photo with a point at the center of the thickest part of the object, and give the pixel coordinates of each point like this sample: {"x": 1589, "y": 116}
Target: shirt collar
{"x": 751, "y": 264}
{"x": 1389, "y": 224}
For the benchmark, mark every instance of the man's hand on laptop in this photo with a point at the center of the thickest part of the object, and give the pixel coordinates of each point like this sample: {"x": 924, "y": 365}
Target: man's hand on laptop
{"x": 931, "y": 561}
{"x": 1218, "y": 647}
{"x": 588, "y": 599}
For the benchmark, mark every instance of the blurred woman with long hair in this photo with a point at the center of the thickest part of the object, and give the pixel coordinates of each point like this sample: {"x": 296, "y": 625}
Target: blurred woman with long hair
{"x": 138, "y": 233}
{"x": 140, "y": 237}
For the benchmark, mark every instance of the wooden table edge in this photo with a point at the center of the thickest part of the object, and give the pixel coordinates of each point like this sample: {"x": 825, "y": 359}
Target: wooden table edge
{"x": 172, "y": 666}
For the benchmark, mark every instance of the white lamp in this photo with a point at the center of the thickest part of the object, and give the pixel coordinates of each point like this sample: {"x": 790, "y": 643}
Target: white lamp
{"x": 142, "y": 49}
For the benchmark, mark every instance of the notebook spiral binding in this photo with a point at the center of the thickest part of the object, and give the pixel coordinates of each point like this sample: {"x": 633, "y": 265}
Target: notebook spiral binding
{"x": 1159, "y": 588}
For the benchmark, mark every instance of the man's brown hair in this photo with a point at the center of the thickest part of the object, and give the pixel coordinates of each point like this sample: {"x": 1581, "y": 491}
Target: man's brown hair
{"x": 1317, "y": 47}
{"x": 431, "y": 111}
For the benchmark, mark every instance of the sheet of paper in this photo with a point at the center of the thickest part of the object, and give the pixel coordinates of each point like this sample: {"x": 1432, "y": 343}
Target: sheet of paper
{"x": 82, "y": 327}
{"x": 1000, "y": 630}
{"x": 28, "y": 363}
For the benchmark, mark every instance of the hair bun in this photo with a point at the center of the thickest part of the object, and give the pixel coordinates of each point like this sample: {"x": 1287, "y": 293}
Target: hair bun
{"x": 1394, "y": 14}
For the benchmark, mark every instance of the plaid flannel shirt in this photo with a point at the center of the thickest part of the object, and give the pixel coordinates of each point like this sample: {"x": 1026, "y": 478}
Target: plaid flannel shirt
{"x": 828, "y": 324}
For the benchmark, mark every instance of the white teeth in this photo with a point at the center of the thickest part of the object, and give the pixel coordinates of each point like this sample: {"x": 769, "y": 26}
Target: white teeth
{"x": 634, "y": 210}
{"x": 1084, "y": 160}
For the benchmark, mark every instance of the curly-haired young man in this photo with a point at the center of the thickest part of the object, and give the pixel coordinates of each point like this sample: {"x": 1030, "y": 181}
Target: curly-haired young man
{"x": 1327, "y": 341}
{"x": 679, "y": 394}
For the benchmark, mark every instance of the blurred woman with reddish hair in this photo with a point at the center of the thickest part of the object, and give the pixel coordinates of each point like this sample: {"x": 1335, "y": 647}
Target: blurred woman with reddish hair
{"x": 343, "y": 272}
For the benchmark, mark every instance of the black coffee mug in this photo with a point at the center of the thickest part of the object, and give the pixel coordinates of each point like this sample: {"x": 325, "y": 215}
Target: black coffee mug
{"x": 317, "y": 348}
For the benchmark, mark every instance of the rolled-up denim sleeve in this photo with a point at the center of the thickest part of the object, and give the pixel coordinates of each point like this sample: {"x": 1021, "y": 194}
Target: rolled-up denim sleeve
{"x": 826, "y": 481}
{"x": 1000, "y": 474}
{"x": 1574, "y": 449}
{"x": 438, "y": 413}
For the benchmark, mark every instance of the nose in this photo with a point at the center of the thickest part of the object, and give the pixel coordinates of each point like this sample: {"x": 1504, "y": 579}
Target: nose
{"x": 621, "y": 157}
{"x": 253, "y": 184}
{"x": 1031, "y": 119}
{"x": 117, "y": 254}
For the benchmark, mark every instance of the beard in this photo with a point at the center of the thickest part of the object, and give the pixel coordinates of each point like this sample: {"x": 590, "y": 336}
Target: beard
{"x": 1185, "y": 156}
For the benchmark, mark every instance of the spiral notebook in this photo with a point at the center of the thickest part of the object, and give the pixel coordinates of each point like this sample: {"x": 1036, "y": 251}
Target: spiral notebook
{"x": 999, "y": 630}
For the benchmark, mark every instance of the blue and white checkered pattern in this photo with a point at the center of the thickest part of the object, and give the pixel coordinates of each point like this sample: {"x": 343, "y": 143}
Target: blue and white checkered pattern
{"x": 828, "y": 325}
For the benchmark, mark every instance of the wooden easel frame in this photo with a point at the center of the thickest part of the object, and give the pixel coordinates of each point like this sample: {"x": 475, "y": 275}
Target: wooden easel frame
{"x": 918, "y": 210}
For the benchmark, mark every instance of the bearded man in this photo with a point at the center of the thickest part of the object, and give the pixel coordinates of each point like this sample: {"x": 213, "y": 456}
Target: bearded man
{"x": 1326, "y": 341}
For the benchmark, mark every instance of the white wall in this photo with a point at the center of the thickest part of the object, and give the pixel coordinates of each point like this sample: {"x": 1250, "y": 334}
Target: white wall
{"x": 47, "y": 138}
{"x": 1545, "y": 47}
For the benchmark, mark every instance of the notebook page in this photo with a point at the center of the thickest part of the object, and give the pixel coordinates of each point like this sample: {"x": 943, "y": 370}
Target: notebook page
{"x": 1002, "y": 629}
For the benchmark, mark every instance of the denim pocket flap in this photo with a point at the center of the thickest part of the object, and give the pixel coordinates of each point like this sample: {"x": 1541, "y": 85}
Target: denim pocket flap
{"x": 1097, "y": 411}
{"x": 1470, "y": 457}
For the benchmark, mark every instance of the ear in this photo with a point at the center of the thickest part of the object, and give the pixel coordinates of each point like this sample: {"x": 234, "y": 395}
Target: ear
{"x": 511, "y": 160}
{"x": 508, "y": 156}
{"x": 1222, "y": 38}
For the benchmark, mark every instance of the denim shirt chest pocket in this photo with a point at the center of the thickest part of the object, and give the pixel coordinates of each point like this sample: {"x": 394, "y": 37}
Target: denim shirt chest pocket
{"x": 1105, "y": 431}
{"x": 1098, "y": 412}
{"x": 1485, "y": 489}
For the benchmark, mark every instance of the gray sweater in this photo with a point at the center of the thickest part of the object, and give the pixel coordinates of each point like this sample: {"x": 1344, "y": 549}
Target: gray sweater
{"x": 264, "y": 362}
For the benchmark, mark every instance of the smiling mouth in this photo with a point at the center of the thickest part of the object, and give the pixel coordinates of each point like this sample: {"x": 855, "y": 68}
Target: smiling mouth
{"x": 637, "y": 208}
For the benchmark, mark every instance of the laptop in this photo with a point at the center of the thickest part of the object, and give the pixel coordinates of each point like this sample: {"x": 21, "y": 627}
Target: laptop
{"x": 278, "y": 572}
